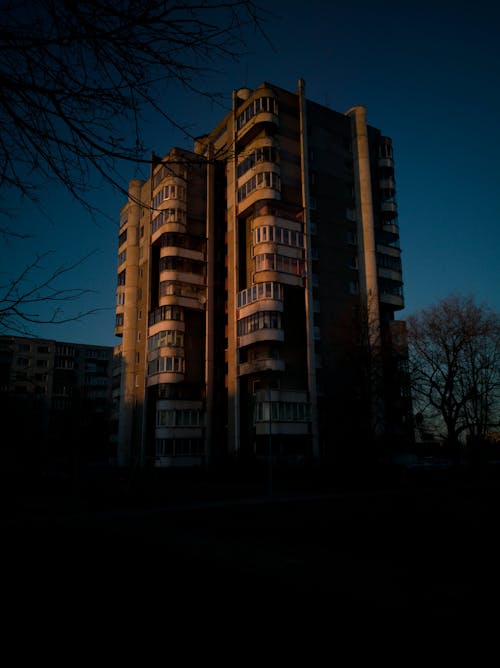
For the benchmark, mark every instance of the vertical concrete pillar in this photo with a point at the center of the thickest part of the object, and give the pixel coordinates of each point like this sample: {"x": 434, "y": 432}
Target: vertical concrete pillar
{"x": 311, "y": 356}
{"x": 233, "y": 427}
{"x": 367, "y": 259}
{"x": 210, "y": 305}
{"x": 127, "y": 393}
{"x": 364, "y": 203}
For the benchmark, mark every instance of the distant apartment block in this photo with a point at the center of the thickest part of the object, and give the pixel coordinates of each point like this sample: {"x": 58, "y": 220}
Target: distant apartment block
{"x": 56, "y": 400}
{"x": 259, "y": 278}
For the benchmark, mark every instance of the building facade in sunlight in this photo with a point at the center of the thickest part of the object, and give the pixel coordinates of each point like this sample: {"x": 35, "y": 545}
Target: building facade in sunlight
{"x": 258, "y": 280}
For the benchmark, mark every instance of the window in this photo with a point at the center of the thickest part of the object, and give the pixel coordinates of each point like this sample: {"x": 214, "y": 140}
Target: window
{"x": 169, "y": 337}
{"x": 181, "y": 417}
{"x": 259, "y": 320}
{"x": 260, "y": 180}
{"x": 168, "y": 364}
{"x": 262, "y": 154}
{"x": 261, "y": 104}
{"x": 165, "y": 313}
{"x": 122, "y": 238}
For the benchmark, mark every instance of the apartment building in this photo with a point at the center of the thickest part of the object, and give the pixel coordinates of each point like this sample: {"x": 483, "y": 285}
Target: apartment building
{"x": 55, "y": 400}
{"x": 259, "y": 276}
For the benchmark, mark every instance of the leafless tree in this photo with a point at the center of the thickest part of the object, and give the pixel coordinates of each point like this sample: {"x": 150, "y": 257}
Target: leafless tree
{"x": 455, "y": 367}
{"x": 74, "y": 75}
{"x": 75, "y": 79}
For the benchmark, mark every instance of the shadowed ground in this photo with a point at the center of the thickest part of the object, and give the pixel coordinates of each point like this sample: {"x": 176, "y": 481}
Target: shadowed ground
{"x": 423, "y": 549}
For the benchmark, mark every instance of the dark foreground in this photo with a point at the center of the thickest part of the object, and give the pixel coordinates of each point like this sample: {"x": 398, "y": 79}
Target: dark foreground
{"x": 367, "y": 554}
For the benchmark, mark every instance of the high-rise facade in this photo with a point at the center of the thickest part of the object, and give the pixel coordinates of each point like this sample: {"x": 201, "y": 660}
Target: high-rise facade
{"x": 258, "y": 280}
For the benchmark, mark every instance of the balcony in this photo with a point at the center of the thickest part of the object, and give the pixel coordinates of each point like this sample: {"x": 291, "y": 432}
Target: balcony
{"x": 279, "y": 268}
{"x": 261, "y": 186}
{"x": 260, "y": 112}
{"x": 168, "y": 220}
{"x": 389, "y": 207}
{"x": 176, "y": 293}
{"x": 260, "y": 335}
{"x": 387, "y": 183}
{"x": 391, "y": 230}
{"x": 283, "y": 412}
{"x": 260, "y": 297}
{"x": 174, "y": 325}
{"x": 396, "y": 301}
{"x": 385, "y": 162}
{"x": 261, "y": 365}
{"x": 391, "y": 274}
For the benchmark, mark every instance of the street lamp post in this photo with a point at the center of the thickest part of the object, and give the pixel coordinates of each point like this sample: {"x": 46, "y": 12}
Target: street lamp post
{"x": 270, "y": 445}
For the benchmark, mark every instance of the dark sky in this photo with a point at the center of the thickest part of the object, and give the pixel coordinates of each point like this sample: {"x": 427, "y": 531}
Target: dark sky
{"x": 428, "y": 74}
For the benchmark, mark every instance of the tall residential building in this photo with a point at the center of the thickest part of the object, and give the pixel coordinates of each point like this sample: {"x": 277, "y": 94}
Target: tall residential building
{"x": 258, "y": 280}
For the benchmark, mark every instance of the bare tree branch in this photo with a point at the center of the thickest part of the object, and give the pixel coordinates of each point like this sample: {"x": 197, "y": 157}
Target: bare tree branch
{"x": 75, "y": 79}
{"x": 34, "y": 297}
{"x": 455, "y": 367}
{"x": 74, "y": 76}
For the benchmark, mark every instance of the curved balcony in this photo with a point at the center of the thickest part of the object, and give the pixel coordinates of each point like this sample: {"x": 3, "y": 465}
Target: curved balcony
{"x": 391, "y": 274}
{"x": 259, "y": 326}
{"x": 263, "y": 151}
{"x": 260, "y": 366}
{"x": 264, "y": 185}
{"x": 165, "y": 368}
{"x": 182, "y": 245}
{"x": 259, "y": 112}
{"x": 169, "y": 220}
{"x": 396, "y": 301}
{"x": 261, "y": 296}
{"x": 392, "y": 251}
{"x": 262, "y": 119}
{"x": 385, "y": 162}
{"x": 179, "y": 404}
{"x": 278, "y": 249}
{"x": 390, "y": 230}
{"x": 261, "y": 305}
{"x": 164, "y": 342}
{"x": 163, "y": 314}
{"x": 179, "y": 432}
{"x": 173, "y": 325}
{"x": 279, "y": 268}
{"x": 281, "y": 412}
{"x": 260, "y": 335}
{"x": 265, "y": 275}
{"x": 260, "y": 167}
{"x": 175, "y": 293}
{"x": 189, "y": 277}
{"x": 389, "y": 208}
{"x": 164, "y": 377}
{"x": 387, "y": 183}
{"x": 263, "y": 193}
{"x": 272, "y": 229}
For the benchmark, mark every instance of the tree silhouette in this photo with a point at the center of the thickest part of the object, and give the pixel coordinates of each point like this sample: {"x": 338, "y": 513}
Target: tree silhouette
{"x": 75, "y": 80}
{"x": 455, "y": 367}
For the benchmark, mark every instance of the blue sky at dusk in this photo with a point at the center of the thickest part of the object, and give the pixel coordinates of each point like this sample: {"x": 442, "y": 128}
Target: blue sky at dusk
{"x": 429, "y": 76}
